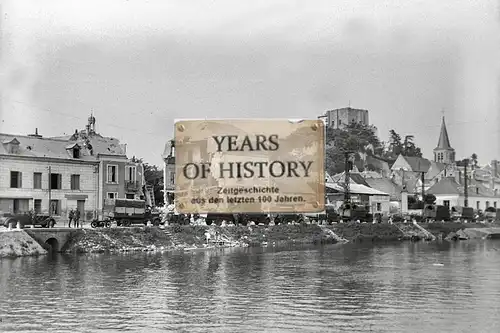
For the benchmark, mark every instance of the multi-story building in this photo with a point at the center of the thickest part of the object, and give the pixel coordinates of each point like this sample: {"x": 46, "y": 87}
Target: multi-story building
{"x": 46, "y": 175}
{"x": 81, "y": 171}
{"x": 339, "y": 118}
{"x": 119, "y": 177}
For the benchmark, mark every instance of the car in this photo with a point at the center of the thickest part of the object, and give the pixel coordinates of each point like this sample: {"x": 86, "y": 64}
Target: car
{"x": 26, "y": 218}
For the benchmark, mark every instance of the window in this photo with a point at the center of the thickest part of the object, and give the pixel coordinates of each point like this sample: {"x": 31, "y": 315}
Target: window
{"x": 130, "y": 173}
{"x": 37, "y": 180}
{"x": 55, "y": 181}
{"x": 379, "y": 206}
{"x": 112, "y": 174}
{"x": 112, "y": 195}
{"x": 21, "y": 206}
{"x": 495, "y": 204}
{"x": 76, "y": 152}
{"x": 55, "y": 207}
{"x": 172, "y": 177}
{"x": 130, "y": 196}
{"x": 75, "y": 182}
{"x": 16, "y": 179}
{"x": 477, "y": 205}
{"x": 487, "y": 204}
{"x": 477, "y": 190}
{"x": 446, "y": 203}
{"x": 37, "y": 206}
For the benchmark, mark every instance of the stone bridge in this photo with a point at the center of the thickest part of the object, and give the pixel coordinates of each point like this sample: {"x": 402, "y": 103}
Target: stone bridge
{"x": 55, "y": 238}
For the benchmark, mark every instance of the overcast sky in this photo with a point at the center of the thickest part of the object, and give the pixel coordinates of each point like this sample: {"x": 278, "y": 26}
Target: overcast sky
{"x": 140, "y": 64}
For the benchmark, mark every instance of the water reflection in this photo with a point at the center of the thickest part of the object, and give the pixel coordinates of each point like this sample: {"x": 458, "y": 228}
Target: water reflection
{"x": 408, "y": 287}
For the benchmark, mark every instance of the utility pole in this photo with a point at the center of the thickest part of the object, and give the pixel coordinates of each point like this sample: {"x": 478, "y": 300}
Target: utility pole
{"x": 466, "y": 185}
{"x": 50, "y": 194}
{"x": 347, "y": 169}
{"x": 423, "y": 185}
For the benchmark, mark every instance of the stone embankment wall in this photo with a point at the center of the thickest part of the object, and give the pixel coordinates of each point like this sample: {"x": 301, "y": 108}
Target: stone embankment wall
{"x": 193, "y": 237}
{"x": 17, "y": 243}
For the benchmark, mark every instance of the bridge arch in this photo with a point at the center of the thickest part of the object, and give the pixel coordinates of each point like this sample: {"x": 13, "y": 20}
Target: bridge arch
{"x": 53, "y": 243}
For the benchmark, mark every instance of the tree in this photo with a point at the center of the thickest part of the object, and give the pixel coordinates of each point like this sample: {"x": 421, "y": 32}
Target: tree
{"x": 395, "y": 144}
{"x": 473, "y": 157}
{"x": 355, "y": 137}
{"x": 399, "y": 146}
{"x": 409, "y": 147}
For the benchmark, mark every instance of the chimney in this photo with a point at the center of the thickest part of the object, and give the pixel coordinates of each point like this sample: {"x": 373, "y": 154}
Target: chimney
{"x": 36, "y": 135}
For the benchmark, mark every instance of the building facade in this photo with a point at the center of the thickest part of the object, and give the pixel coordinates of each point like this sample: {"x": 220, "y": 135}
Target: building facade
{"x": 43, "y": 175}
{"x": 53, "y": 175}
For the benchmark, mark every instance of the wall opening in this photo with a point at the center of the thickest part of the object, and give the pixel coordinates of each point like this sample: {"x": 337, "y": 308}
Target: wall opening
{"x": 53, "y": 245}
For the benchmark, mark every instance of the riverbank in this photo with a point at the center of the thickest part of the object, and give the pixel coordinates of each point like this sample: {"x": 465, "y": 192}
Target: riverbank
{"x": 17, "y": 243}
{"x": 192, "y": 237}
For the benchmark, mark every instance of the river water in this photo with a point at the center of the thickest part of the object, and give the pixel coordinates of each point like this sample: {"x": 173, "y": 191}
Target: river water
{"x": 408, "y": 287}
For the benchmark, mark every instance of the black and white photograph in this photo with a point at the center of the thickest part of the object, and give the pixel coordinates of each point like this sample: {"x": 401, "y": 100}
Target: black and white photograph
{"x": 250, "y": 166}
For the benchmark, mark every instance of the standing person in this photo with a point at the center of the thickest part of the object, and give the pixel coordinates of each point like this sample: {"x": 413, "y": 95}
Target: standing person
{"x": 77, "y": 218}
{"x": 71, "y": 215}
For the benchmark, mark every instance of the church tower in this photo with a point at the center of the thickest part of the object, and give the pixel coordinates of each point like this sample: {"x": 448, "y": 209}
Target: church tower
{"x": 443, "y": 153}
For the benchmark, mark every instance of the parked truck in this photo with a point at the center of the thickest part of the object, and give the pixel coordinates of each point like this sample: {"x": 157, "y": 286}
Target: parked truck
{"x": 436, "y": 213}
{"x": 132, "y": 211}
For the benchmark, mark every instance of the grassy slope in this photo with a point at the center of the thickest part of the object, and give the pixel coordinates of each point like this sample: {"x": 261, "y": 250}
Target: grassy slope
{"x": 18, "y": 243}
{"x": 175, "y": 237}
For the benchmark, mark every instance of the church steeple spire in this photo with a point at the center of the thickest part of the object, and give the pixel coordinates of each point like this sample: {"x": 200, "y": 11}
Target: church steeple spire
{"x": 444, "y": 140}
{"x": 444, "y": 153}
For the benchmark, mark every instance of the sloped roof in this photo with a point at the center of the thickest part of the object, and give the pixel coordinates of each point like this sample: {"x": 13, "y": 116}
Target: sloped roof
{"x": 354, "y": 177}
{"x": 477, "y": 188}
{"x": 328, "y": 178}
{"x": 371, "y": 174}
{"x": 30, "y": 146}
{"x": 377, "y": 163}
{"x": 418, "y": 164}
{"x": 448, "y": 186}
{"x": 358, "y": 179}
{"x": 444, "y": 140}
{"x": 387, "y": 186}
{"x": 73, "y": 145}
{"x": 445, "y": 186}
{"x": 435, "y": 169}
{"x": 356, "y": 189}
{"x": 11, "y": 140}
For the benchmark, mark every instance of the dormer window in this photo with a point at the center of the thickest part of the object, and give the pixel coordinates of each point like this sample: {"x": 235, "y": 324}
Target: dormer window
{"x": 11, "y": 146}
{"x": 74, "y": 150}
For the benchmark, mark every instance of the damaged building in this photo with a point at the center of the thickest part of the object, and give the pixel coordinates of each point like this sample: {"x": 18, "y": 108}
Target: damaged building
{"x": 55, "y": 174}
